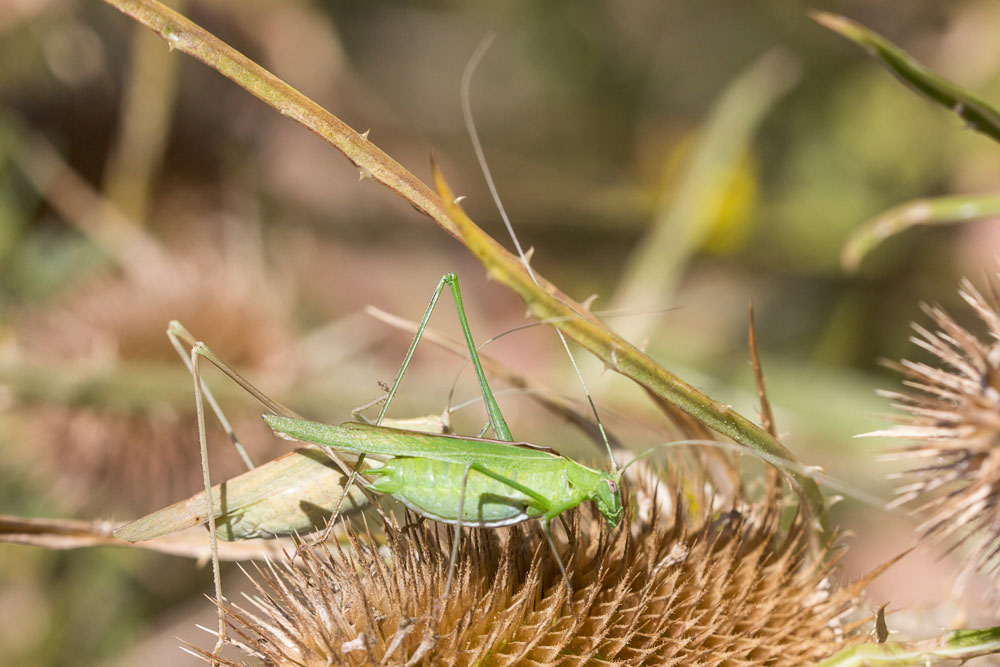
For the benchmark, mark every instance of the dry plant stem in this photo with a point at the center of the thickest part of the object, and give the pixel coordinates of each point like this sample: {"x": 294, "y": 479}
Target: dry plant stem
{"x": 544, "y": 300}
{"x": 63, "y": 534}
{"x": 766, "y": 415}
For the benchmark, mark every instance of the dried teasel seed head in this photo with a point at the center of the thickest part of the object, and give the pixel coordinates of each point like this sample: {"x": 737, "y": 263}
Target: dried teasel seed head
{"x": 689, "y": 590}
{"x": 951, "y": 412}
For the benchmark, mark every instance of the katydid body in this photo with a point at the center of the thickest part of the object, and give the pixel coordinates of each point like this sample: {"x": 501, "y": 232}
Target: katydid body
{"x": 503, "y": 482}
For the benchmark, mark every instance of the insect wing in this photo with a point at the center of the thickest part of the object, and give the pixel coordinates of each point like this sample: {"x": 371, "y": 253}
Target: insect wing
{"x": 387, "y": 442}
{"x": 289, "y": 494}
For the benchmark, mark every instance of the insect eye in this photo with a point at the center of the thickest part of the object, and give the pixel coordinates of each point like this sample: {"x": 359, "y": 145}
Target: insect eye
{"x": 612, "y": 486}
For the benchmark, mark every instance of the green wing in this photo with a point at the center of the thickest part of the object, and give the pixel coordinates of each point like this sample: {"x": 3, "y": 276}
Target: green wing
{"x": 385, "y": 442}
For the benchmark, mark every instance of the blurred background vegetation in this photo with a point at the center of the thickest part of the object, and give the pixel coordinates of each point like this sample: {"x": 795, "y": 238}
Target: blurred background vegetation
{"x": 139, "y": 186}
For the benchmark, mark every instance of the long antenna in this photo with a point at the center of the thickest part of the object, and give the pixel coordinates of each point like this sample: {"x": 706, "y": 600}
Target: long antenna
{"x": 477, "y": 146}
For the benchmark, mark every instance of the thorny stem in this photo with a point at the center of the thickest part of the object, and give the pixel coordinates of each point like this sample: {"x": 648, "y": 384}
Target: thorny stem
{"x": 544, "y": 299}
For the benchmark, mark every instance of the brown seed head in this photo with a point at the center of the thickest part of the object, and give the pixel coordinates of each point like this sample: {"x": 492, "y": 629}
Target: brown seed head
{"x": 952, "y": 415}
{"x": 694, "y": 587}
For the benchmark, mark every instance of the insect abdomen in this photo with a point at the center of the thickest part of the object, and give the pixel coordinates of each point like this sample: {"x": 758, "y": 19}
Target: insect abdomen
{"x": 433, "y": 489}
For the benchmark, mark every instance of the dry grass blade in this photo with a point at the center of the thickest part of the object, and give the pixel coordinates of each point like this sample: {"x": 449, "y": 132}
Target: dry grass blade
{"x": 76, "y": 534}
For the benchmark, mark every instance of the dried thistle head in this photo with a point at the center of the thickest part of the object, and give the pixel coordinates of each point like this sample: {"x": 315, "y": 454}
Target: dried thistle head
{"x": 952, "y": 415}
{"x": 125, "y": 436}
{"x": 692, "y": 587}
